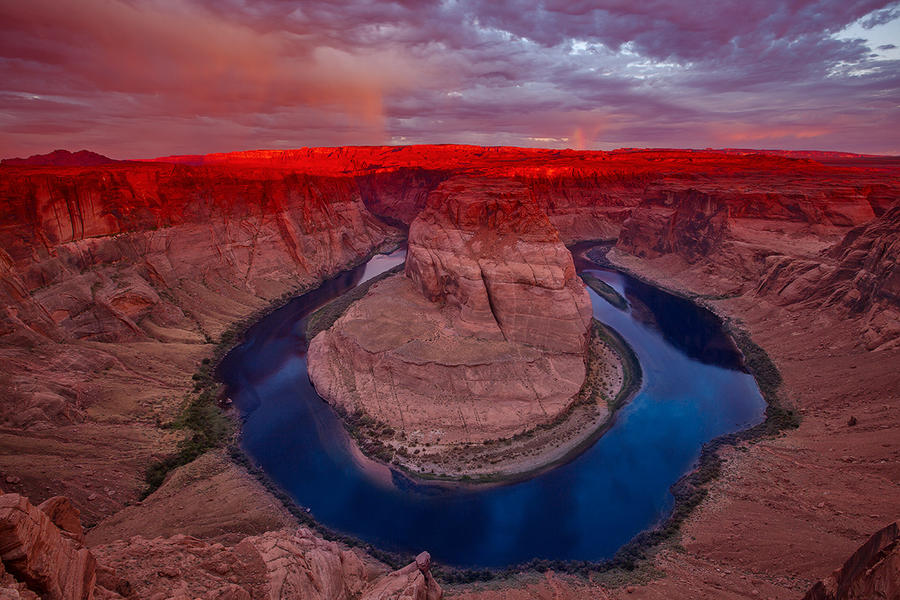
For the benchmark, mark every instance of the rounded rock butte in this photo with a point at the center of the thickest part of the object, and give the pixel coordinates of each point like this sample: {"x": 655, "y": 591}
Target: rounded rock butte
{"x": 483, "y": 336}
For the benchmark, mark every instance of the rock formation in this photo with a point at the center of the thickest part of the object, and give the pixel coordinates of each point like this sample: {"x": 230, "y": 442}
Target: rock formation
{"x": 873, "y": 571}
{"x": 693, "y": 228}
{"x": 482, "y": 337}
{"x": 132, "y": 271}
{"x": 483, "y": 249}
{"x": 39, "y": 556}
{"x": 40, "y": 560}
{"x": 281, "y": 564}
{"x": 65, "y": 516}
{"x": 412, "y": 582}
{"x": 858, "y": 276}
{"x": 87, "y": 255}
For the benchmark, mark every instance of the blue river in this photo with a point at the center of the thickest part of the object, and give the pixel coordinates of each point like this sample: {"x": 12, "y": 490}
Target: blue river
{"x": 694, "y": 389}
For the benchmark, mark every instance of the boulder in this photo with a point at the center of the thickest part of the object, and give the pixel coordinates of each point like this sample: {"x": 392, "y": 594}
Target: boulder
{"x": 412, "y": 582}
{"x": 65, "y": 516}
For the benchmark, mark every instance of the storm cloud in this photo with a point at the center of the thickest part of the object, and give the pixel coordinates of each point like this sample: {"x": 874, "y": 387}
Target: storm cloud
{"x": 138, "y": 79}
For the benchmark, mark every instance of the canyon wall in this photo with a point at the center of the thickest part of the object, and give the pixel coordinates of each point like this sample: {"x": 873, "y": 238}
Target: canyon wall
{"x": 115, "y": 282}
{"x": 588, "y": 195}
{"x": 483, "y": 248}
{"x": 858, "y": 277}
{"x": 166, "y": 228}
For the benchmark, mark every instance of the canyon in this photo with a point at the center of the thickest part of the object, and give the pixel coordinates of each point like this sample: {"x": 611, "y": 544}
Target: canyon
{"x": 118, "y": 280}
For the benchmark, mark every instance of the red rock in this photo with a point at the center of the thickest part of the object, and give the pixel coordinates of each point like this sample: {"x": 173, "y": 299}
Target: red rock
{"x": 285, "y": 563}
{"x": 693, "y": 229}
{"x": 93, "y": 256}
{"x": 64, "y": 515}
{"x": 412, "y": 582}
{"x": 483, "y": 337}
{"x": 483, "y": 248}
{"x": 873, "y": 571}
{"x": 423, "y": 562}
{"x": 858, "y": 276}
{"x": 34, "y": 550}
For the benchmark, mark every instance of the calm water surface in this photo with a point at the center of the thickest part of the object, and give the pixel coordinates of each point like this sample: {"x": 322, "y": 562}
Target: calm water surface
{"x": 694, "y": 390}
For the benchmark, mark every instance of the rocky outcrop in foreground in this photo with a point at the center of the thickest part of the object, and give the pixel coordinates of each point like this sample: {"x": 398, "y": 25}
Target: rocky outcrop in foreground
{"x": 43, "y": 557}
{"x": 280, "y": 564}
{"x": 482, "y": 337}
{"x": 873, "y": 571}
{"x": 40, "y": 557}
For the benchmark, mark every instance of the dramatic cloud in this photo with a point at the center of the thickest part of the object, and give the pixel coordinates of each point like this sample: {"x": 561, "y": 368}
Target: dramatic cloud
{"x": 135, "y": 79}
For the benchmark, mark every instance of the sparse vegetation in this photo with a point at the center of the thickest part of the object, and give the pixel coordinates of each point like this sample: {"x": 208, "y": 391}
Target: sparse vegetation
{"x": 210, "y": 428}
{"x": 202, "y": 416}
{"x": 779, "y": 416}
{"x": 632, "y": 375}
{"x": 580, "y": 419}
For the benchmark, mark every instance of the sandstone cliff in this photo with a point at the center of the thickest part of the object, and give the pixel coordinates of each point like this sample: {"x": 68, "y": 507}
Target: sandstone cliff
{"x": 483, "y": 336}
{"x": 588, "y": 195}
{"x": 41, "y": 558}
{"x": 483, "y": 249}
{"x": 114, "y": 283}
{"x": 873, "y": 571}
{"x": 691, "y": 224}
{"x": 95, "y": 247}
{"x": 858, "y": 277}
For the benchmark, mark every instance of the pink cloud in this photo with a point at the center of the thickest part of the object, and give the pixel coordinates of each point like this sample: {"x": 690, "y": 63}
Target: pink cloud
{"x": 147, "y": 78}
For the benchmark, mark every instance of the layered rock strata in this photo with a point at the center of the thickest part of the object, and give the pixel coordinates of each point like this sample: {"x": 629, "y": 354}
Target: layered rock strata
{"x": 873, "y": 571}
{"x": 482, "y": 337}
{"x": 40, "y": 557}
{"x": 115, "y": 281}
{"x": 82, "y": 417}
{"x": 858, "y": 276}
{"x": 42, "y": 560}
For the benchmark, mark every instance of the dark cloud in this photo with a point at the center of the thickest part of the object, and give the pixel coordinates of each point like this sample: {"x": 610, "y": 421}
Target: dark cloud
{"x": 155, "y": 77}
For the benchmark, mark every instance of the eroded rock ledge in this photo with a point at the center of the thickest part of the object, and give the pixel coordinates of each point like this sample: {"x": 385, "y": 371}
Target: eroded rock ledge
{"x": 482, "y": 337}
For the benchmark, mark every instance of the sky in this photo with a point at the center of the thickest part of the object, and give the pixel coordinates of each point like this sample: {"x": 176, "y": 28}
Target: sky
{"x": 138, "y": 79}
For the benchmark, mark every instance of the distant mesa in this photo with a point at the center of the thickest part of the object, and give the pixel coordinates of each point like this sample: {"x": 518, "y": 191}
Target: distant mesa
{"x": 61, "y": 158}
